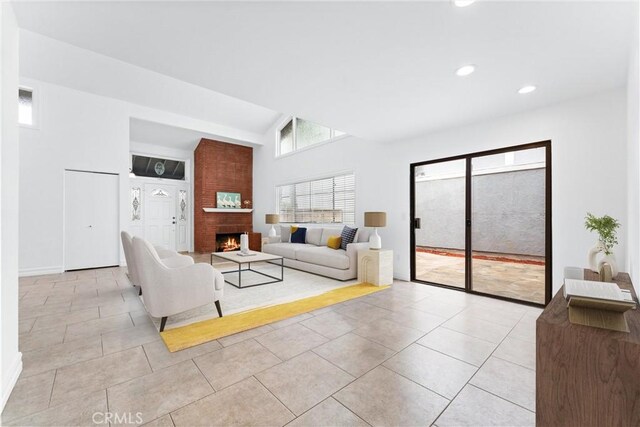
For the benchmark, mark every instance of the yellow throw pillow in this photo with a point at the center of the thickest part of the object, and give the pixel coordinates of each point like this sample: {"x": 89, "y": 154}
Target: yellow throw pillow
{"x": 334, "y": 242}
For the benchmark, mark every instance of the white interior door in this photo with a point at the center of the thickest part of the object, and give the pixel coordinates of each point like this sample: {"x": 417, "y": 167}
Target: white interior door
{"x": 91, "y": 220}
{"x": 160, "y": 210}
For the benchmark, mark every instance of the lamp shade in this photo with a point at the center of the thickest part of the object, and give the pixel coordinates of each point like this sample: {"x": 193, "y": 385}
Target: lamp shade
{"x": 375, "y": 219}
{"x": 272, "y": 218}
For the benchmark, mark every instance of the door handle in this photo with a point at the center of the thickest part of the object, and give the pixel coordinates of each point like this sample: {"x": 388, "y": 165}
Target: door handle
{"x": 416, "y": 223}
{"x": 173, "y": 222}
{"x": 91, "y": 226}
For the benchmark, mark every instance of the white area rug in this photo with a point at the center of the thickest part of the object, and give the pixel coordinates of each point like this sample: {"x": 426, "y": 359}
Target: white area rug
{"x": 296, "y": 285}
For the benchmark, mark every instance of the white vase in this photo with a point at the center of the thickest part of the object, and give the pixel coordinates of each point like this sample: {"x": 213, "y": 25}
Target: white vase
{"x": 611, "y": 260}
{"x": 593, "y": 254}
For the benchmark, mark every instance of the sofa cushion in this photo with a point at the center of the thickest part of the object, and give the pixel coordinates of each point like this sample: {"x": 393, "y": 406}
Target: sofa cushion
{"x": 314, "y": 235}
{"x": 328, "y": 232}
{"x": 322, "y": 255}
{"x": 348, "y": 234}
{"x": 285, "y": 233}
{"x": 298, "y": 235}
{"x": 334, "y": 242}
{"x": 287, "y": 250}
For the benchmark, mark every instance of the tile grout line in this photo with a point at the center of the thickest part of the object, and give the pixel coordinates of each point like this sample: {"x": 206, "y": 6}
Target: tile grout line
{"x": 478, "y": 370}
{"x": 53, "y": 384}
{"x": 276, "y": 397}
{"x": 193, "y": 359}
{"x": 501, "y": 398}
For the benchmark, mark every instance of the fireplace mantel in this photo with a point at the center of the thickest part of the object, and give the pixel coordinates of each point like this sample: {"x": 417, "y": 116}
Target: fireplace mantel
{"x": 227, "y": 210}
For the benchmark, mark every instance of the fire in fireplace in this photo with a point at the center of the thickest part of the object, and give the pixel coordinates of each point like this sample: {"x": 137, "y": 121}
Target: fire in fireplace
{"x": 227, "y": 242}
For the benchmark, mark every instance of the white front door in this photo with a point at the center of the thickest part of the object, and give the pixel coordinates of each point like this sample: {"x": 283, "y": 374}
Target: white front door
{"x": 91, "y": 234}
{"x": 160, "y": 211}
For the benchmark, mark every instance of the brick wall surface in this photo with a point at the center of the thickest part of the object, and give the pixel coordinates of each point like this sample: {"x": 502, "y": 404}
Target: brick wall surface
{"x": 219, "y": 166}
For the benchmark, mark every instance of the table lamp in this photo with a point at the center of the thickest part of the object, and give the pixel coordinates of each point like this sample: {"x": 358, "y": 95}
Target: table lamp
{"x": 272, "y": 219}
{"x": 375, "y": 220}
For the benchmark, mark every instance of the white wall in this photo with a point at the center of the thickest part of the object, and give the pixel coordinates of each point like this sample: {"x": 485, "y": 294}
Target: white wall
{"x": 76, "y": 130}
{"x": 53, "y": 61}
{"x": 588, "y": 144}
{"x": 633, "y": 161}
{"x": 10, "y": 358}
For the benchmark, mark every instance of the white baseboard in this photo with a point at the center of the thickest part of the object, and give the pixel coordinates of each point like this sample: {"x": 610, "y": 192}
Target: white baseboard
{"x": 40, "y": 271}
{"x": 10, "y": 378}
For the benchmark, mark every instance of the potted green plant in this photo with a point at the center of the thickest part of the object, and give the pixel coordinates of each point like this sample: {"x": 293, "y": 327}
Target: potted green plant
{"x": 606, "y": 227}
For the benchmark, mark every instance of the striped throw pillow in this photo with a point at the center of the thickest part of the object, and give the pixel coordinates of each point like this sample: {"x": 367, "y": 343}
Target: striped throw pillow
{"x": 348, "y": 234}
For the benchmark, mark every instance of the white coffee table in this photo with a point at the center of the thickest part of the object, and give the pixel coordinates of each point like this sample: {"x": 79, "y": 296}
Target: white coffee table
{"x": 254, "y": 257}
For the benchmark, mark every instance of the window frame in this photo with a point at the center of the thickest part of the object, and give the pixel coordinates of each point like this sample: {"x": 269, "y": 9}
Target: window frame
{"x": 310, "y": 180}
{"x": 35, "y": 107}
{"x": 294, "y": 137}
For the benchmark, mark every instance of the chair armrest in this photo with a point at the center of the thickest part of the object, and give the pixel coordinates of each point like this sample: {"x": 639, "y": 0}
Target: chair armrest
{"x": 196, "y": 279}
{"x": 165, "y": 253}
{"x": 177, "y": 261}
{"x": 175, "y": 290}
{"x": 218, "y": 279}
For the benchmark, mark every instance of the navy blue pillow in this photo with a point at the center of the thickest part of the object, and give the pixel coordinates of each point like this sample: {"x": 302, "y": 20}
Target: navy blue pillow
{"x": 299, "y": 235}
{"x": 348, "y": 234}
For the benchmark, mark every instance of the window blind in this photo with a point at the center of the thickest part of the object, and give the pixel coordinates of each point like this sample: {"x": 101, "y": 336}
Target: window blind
{"x": 321, "y": 201}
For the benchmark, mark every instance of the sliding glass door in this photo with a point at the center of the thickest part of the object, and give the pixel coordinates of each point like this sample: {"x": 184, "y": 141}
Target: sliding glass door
{"x": 440, "y": 222}
{"x": 481, "y": 222}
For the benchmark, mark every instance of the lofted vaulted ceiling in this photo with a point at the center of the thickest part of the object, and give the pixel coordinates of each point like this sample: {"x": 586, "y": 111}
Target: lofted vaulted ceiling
{"x": 378, "y": 70}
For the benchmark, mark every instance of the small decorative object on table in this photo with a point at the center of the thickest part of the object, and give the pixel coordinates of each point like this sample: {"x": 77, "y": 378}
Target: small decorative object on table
{"x": 244, "y": 243}
{"x": 606, "y": 227}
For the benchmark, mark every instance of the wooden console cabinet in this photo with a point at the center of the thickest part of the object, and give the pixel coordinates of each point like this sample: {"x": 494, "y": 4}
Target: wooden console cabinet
{"x": 587, "y": 376}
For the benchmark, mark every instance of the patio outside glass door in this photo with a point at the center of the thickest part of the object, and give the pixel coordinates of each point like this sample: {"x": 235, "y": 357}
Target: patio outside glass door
{"x": 508, "y": 214}
{"x": 481, "y": 222}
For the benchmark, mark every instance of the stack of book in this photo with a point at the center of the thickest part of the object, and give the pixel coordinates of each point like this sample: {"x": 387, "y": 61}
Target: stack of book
{"x": 598, "y": 304}
{"x": 600, "y": 295}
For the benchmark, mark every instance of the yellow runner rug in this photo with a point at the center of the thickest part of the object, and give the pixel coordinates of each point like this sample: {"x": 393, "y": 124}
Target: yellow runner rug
{"x": 211, "y": 329}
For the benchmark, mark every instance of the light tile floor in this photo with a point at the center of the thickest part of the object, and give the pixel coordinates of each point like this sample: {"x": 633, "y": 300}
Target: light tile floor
{"x": 410, "y": 355}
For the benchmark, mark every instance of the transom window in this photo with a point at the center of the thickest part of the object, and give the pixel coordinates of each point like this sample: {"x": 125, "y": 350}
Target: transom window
{"x": 321, "y": 201}
{"x": 25, "y": 107}
{"x": 297, "y": 134}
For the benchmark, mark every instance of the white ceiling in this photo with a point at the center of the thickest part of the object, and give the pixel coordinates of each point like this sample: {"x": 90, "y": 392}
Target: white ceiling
{"x": 46, "y": 59}
{"x": 169, "y": 136}
{"x": 378, "y": 70}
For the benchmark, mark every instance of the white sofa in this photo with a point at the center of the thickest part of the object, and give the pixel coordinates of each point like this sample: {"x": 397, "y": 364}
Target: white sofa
{"x": 314, "y": 256}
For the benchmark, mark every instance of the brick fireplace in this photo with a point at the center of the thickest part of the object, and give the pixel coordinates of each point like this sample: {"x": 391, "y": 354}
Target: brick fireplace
{"x": 219, "y": 166}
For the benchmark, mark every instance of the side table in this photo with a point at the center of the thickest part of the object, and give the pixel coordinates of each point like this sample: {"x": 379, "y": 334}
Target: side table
{"x": 375, "y": 266}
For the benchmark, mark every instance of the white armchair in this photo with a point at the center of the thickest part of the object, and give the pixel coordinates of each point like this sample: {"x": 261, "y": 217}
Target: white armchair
{"x": 172, "y": 290}
{"x": 170, "y": 258}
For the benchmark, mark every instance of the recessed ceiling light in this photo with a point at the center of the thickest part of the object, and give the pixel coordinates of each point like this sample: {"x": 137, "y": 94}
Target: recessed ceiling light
{"x": 463, "y": 3}
{"x": 526, "y": 89}
{"x": 465, "y": 70}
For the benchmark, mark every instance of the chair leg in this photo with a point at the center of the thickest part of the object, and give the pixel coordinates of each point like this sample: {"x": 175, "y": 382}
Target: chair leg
{"x": 163, "y": 322}
{"x": 218, "y": 308}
